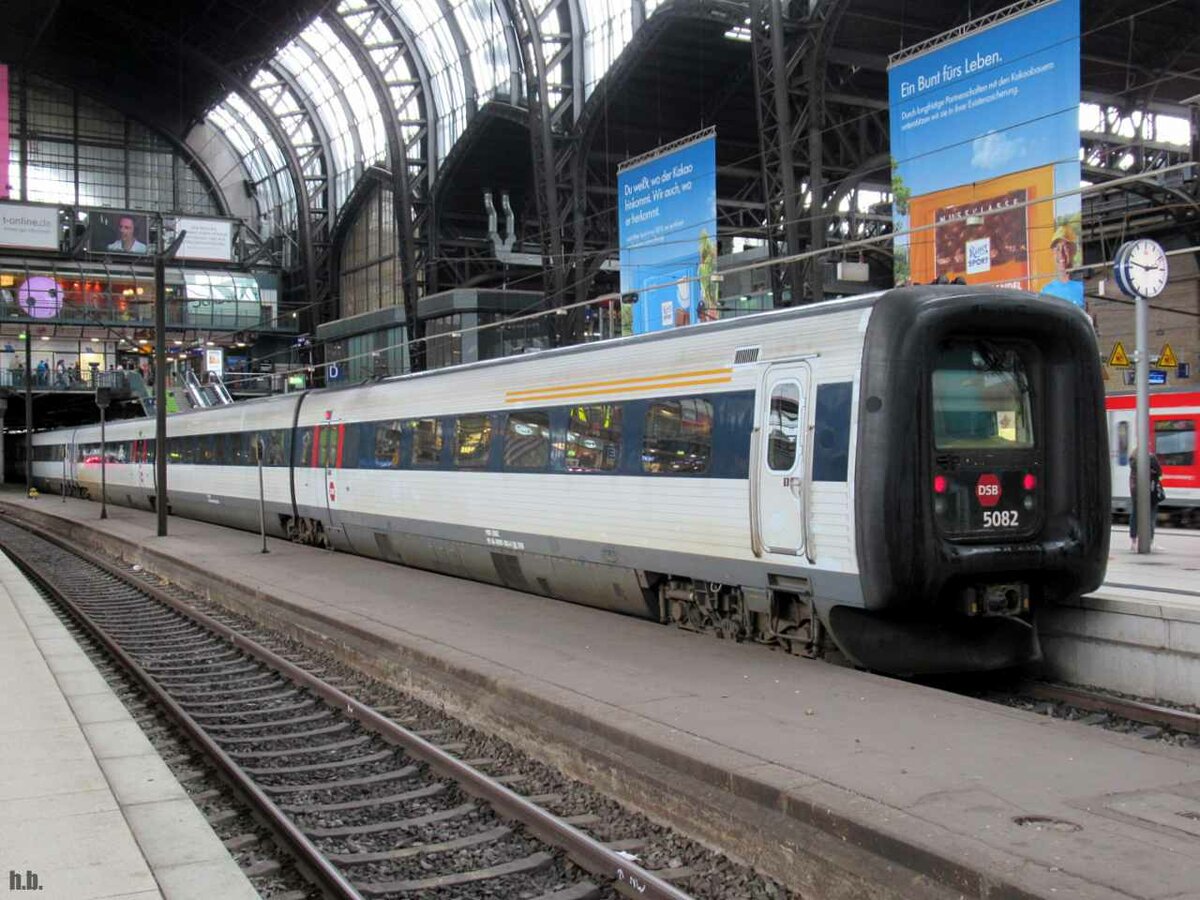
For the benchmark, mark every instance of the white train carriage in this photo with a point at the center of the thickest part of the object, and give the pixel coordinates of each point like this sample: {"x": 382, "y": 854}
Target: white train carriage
{"x": 908, "y": 473}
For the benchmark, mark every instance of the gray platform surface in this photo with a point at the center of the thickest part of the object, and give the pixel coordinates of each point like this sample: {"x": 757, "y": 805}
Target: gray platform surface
{"x": 87, "y": 807}
{"x": 1169, "y": 575}
{"x": 1140, "y": 632}
{"x": 945, "y": 775}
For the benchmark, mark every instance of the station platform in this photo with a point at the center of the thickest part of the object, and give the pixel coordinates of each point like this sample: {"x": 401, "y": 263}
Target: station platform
{"x": 1139, "y": 633}
{"x": 88, "y": 809}
{"x": 845, "y": 783}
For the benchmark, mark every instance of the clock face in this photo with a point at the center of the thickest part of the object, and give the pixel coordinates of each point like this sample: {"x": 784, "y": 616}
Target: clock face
{"x": 1145, "y": 268}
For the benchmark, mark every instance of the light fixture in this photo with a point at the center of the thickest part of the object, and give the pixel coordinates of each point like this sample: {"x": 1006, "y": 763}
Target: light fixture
{"x": 45, "y": 337}
{"x": 95, "y": 340}
{"x": 209, "y": 344}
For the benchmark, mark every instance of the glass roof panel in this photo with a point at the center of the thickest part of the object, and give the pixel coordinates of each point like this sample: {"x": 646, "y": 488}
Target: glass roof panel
{"x": 482, "y": 26}
{"x": 337, "y": 89}
{"x": 263, "y": 159}
{"x": 387, "y": 53}
{"x": 437, "y": 47}
{"x": 284, "y": 103}
{"x": 608, "y": 29}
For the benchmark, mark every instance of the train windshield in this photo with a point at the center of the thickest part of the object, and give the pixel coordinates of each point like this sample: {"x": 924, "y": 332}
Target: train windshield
{"x": 981, "y": 398}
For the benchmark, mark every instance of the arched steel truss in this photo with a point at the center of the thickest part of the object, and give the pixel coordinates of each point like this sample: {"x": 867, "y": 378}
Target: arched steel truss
{"x": 538, "y": 61}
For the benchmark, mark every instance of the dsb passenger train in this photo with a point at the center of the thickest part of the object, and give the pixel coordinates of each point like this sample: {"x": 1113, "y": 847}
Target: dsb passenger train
{"x": 901, "y": 479}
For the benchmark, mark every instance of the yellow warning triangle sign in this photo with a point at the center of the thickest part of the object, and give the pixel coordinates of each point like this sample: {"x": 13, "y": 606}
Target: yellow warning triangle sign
{"x": 1167, "y": 358}
{"x": 1119, "y": 358}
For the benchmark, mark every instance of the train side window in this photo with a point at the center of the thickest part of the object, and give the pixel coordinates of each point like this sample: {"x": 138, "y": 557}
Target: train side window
{"x": 783, "y": 426}
{"x": 387, "y": 444}
{"x": 678, "y": 437}
{"x": 1175, "y": 441}
{"x": 472, "y": 441}
{"x": 328, "y": 448}
{"x": 276, "y": 441}
{"x": 593, "y": 438}
{"x": 247, "y": 441}
{"x": 304, "y": 457}
{"x": 426, "y": 441}
{"x": 831, "y": 434}
{"x": 1122, "y": 443}
{"x": 527, "y": 440}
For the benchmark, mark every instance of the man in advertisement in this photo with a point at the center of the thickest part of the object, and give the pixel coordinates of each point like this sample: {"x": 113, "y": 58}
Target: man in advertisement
{"x": 1064, "y": 244}
{"x": 127, "y": 241}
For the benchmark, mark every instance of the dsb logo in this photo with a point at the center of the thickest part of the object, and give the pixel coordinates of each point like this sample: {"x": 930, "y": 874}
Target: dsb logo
{"x": 987, "y": 489}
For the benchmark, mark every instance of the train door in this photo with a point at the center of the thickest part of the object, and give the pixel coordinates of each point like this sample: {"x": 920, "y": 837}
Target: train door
{"x": 782, "y": 464}
{"x": 70, "y": 462}
{"x": 143, "y": 468}
{"x": 331, "y": 442}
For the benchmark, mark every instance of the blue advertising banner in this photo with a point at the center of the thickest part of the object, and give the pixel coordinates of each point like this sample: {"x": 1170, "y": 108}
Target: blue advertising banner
{"x": 667, "y": 224}
{"x": 984, "y": 130}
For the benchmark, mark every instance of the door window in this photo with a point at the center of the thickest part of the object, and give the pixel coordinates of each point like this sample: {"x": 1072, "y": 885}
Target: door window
{"x": 328, "y": 449}
{"x": 783, "y": 426}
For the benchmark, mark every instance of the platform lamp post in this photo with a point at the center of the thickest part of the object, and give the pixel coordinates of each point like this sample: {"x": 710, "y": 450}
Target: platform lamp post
{"x": 103, "y": 399}
{"x": 28, "y": 412}
{"x": 160, "y": 379}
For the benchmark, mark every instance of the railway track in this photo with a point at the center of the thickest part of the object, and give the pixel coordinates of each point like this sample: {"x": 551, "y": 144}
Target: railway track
{"x": 367, "y": 807}
{"x": 1120, "y": 707}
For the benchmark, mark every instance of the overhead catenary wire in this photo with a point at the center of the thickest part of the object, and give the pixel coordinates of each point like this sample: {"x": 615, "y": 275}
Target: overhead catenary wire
{"x": 760, "y": 264}
{"x": 526, "y": 315}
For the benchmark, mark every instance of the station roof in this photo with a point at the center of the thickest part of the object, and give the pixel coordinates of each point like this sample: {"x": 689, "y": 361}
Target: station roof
{"x": 306, "y": 64}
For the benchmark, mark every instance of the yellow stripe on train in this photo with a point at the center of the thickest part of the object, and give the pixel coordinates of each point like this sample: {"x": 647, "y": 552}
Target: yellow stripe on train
{"x": 652, "y": 380}
{"x": 566, "y": 394}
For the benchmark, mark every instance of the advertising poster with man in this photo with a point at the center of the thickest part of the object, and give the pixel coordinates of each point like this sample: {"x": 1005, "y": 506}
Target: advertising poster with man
{"x": 119, "y": 232}
{"x": 667, "y": 209}
{"x": 985, "y": 140}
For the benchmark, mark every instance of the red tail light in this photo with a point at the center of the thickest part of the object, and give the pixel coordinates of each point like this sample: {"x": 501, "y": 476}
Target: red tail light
{"x": 939, "y": 484}
{"x": 1030, "y": 481}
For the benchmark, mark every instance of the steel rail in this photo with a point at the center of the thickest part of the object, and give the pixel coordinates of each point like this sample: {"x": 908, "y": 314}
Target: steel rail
{"x": 308, "y": 856}
{"x": 1136, "y": 710}
{"x": 626, "y": 876}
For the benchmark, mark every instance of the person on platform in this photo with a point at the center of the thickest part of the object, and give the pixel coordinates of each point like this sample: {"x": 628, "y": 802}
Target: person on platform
{"x": 1063, "y": 245}
{"x": 127, "y": 242}
{"x": 1156, "y": 496}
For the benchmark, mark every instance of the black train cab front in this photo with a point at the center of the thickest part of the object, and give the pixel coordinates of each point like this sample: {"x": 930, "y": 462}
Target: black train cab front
{"x": 982, "y": 487}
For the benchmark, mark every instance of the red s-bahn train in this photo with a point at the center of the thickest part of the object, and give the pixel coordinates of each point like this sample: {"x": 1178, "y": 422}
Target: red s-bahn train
{"x": 1174, "y": 419}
